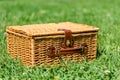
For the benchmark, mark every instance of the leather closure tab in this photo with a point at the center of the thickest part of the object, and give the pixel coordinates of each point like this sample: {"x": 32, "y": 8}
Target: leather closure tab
{"x": 67, "y": 42}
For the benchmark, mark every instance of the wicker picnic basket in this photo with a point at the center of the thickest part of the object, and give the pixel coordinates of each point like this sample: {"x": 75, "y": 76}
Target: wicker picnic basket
{"x": 46, "y": 44}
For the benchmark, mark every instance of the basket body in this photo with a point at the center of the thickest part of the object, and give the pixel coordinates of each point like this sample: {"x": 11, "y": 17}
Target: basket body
{"x": 32, "y": 50}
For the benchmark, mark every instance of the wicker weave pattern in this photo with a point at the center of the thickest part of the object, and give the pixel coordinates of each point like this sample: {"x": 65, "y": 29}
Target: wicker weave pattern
{"x": 20, "y": 47}
{"x": 50, "y": 28}
{"x": 32, "y": 49}
{"x": 50, "y": 61}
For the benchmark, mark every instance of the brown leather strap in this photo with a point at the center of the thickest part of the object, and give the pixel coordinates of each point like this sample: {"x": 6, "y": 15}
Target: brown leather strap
{"x": 52, "y": 52}
{"x": 67, "y": 42}
{"x": 67, "y": 46}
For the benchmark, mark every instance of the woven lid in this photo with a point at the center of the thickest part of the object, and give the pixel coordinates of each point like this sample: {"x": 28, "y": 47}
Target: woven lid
{"x": 50, "y": 28}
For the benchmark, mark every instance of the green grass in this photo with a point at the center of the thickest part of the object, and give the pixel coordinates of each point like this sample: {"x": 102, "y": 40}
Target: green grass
{"x": 104, "y": 14}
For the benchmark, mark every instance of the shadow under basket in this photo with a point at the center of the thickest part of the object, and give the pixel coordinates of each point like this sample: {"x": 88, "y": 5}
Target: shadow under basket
{"x": 49, "y": 44}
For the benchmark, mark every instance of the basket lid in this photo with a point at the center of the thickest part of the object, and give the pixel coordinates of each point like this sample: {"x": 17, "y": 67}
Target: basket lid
{"x": 50, "y": 28}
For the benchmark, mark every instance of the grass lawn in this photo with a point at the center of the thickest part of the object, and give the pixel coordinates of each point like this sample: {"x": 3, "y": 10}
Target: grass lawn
{"x": 104, "y": 14}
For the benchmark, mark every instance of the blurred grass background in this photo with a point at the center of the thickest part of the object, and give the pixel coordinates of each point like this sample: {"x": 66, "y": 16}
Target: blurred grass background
{"x": 104, "y": 14}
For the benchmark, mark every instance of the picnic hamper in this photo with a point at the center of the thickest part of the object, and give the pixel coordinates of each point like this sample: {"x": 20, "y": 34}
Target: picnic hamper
{"x": 45, "y": 44}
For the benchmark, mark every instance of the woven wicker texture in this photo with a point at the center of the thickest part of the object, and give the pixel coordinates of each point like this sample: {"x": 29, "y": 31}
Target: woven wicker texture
{"x": 32, "y": 50}
{"x": 50, "y": 28}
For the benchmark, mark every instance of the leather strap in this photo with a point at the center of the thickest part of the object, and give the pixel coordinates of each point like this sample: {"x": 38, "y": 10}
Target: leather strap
{"x": 67, "y": 42}
{"x": 52, "y": 52}
{"x": 67, "y": 46}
